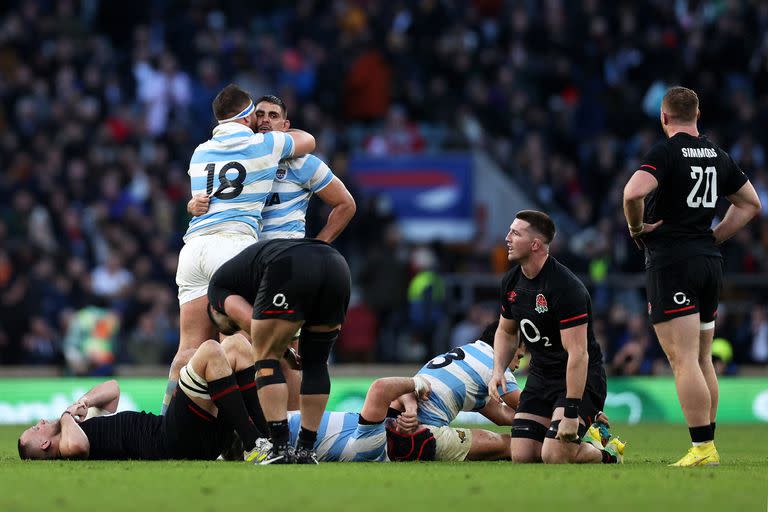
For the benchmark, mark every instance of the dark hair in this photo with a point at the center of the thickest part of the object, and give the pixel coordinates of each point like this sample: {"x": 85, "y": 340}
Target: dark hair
{"x": 275, "y": 100}
{"x": 23, "y": 454}
{"x": 681, "y": 104}
{"x": 223, "y": 323}
{"x": 489, "y": 332}
{"x": 230, "y": 101}
{"x": 540, "y": 222}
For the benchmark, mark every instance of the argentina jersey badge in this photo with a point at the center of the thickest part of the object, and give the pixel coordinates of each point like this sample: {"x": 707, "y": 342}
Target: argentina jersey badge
{"x": 282, "y": 172}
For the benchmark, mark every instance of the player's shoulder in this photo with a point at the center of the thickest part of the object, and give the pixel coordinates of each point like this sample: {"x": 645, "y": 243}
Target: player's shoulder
{"x": 563, "y": 277}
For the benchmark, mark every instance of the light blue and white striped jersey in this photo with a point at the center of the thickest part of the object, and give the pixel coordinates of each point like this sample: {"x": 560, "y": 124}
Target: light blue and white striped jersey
{"x": 296, "y": 179}
{"x": 340, "y": 438}
{"x": 459, "y": 380}
{"x": 246, "y": 162}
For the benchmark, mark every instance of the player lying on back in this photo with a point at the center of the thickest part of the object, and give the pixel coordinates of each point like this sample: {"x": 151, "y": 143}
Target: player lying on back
{"x": 216, "y": 393}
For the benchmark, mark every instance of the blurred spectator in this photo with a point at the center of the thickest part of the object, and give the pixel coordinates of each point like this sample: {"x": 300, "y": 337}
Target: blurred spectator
{"x": 759, "y": 335}
{"x": 398, "y": 136}
{"x": 722, "y": 355}
{"x": 101, "y": 106}
{"x": 426, "y": 302}
{"x": 89, "y": 343}
{"x": 471, "y": 326}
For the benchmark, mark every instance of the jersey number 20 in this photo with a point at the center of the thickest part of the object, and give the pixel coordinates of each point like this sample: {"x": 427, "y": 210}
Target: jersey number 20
{"x": 706, "y": 197}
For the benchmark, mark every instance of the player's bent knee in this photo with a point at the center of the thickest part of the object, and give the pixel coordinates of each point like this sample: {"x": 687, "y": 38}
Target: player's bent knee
{"x": 314, "y": 349}
{"x": 268, "y": 373}
{"x": 528, "y": 429}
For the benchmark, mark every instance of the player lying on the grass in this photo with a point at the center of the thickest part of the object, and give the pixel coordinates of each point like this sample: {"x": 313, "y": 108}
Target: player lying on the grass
{"x": 217, "y": 394}
{"x": 459, "y": 383}
{"x": 373, "y": 437}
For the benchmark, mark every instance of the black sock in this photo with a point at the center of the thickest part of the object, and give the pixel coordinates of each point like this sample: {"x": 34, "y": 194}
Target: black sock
{"x": 278, "y": 431}
{"x": 713, "y": 425}
{"x": 246, "y": 380}
{"x": 701, "y": 434}
{"x": 227, "y": 397}
{"x": 307, "y": 439}
{"x": 608, "y": 458}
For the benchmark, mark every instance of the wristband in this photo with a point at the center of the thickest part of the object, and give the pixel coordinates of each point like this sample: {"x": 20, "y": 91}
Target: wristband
{"x": 635, "y": 229}
{"x": 572, "y": 407}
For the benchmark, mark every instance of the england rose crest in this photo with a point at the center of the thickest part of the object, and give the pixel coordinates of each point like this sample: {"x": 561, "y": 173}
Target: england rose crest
{"x": 541, "y": 304}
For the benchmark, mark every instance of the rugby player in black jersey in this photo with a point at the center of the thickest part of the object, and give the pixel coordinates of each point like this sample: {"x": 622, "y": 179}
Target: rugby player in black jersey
{"x": 215, "y": 395}
{"x": 271, "y": 290}
{"x": 547, "y": 306}
{"x": 670, "y": 203}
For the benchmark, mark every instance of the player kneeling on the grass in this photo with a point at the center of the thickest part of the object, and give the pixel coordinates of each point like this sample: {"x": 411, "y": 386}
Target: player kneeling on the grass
{"x": 271, "y": 289}
{"x": 211, "y": 402}
{"x": 549, "y": 306}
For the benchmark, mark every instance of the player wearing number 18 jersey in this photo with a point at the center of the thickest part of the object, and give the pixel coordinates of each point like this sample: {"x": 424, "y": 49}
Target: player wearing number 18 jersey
{"x": 546, "y": 306}
{"x": 237, "y": 167}
{"x": 669, "y": 203}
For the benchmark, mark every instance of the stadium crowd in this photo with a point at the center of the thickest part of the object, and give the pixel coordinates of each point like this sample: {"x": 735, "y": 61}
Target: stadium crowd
{"x": 101, "y": 106}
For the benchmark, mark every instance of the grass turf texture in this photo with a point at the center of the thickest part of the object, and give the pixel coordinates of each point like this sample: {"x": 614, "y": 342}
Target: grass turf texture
{"x": 644, "y": 481}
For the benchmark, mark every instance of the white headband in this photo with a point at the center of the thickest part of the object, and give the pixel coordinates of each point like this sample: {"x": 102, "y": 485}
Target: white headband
{"x": 244, "y": 113}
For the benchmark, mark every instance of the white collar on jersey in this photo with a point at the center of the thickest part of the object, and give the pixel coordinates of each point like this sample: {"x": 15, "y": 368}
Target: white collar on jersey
{"x": 243, "y": 113}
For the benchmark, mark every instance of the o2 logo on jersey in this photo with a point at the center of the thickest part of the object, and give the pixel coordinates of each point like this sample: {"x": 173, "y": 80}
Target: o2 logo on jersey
{"x": 680, "y": 298}
{"x": 280, "y": 301}
{"x": 532, "y": 333}
{"x": 444, "y": 360}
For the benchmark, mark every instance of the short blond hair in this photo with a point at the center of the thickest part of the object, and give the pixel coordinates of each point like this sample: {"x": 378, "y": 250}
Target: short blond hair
{"x": 681, "y": 104}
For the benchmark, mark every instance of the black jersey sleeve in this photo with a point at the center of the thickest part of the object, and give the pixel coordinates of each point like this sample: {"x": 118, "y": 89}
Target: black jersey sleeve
{"x": 507, "y": 296}
{"x": 572, "y": 306}
{"x": 735, "y": 178}
{"x": 656, "y": 161}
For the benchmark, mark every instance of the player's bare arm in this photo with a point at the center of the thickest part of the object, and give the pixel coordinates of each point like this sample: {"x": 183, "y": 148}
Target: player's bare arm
{"x": 343, "y": 208}
{"x": 500, "y": 413}
{"x": 637, "y": 188}
{"x": 239, "y": 310}
{"x": 383, "y": 391}
{"x": 104, "y": 397}
{"x": 74, "y": 443}
{"x": 574, "y": 341}
{"x": 303, "y": 142}
{"x": 505, "y": 344}
{"x": 745, "y": 204}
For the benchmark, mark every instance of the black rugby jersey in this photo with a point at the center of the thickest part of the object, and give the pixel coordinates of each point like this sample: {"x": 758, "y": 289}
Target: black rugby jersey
{"x": 692, "y": 173}
{"x": 242, "y": 274}
{"x": 553, "y": 300}
{"x": 126, "y": 435}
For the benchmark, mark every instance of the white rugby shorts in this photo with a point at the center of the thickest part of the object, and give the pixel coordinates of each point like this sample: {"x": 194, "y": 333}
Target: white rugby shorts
{"x": 451, "y": 444}
{"x": 201, "y": 256}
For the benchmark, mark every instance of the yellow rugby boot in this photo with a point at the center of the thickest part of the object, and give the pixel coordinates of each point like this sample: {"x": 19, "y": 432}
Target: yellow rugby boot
{"x": 702, "y": 455}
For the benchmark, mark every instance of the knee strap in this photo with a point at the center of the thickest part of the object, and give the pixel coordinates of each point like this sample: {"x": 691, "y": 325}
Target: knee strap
{"x": 552, "y": 431}
{"x": 192, "y": 384}
{"x": 314, "y": 349}
{"x": 268, "y": 372}
{"x": 529, "y": 429}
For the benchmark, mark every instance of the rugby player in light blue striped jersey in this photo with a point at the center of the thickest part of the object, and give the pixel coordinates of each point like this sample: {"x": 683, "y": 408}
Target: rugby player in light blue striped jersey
{"x": 235, "y": 169}
{"x": 295, "y": 181}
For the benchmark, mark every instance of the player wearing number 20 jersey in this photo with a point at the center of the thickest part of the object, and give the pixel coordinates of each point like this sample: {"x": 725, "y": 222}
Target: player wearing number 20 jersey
{"x": 692, "y": 173}
{"x": 684, "y": 264}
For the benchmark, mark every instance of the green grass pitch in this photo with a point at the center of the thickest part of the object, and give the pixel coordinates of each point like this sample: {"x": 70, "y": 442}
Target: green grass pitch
{"x": 644, "y": 482}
